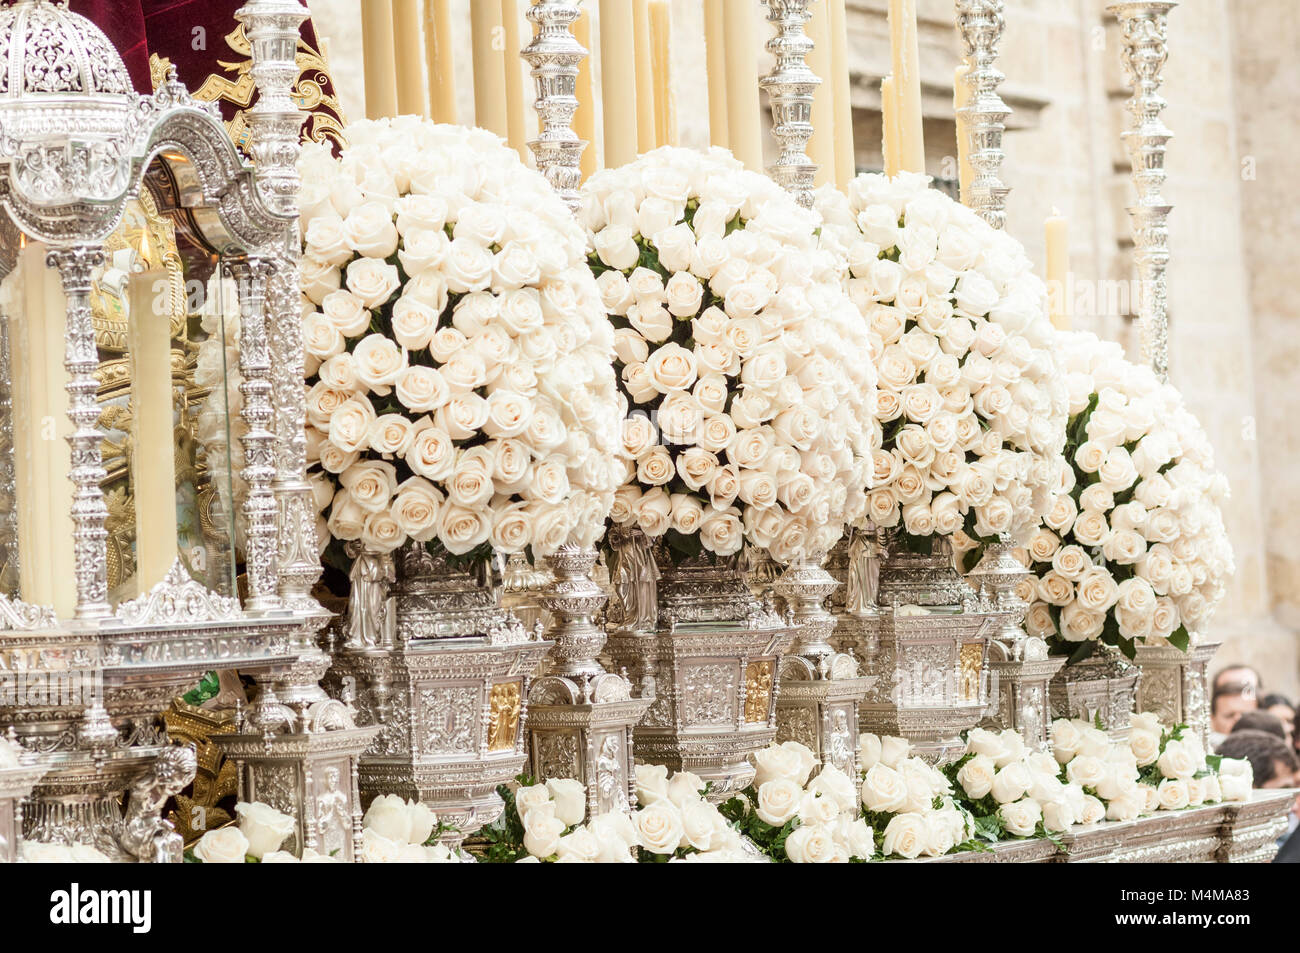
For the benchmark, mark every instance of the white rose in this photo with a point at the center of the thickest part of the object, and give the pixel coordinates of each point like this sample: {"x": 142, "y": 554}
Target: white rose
{"x": 372, "y": 281}
{"x": 659, "y": 827}
{"x": 415, "y": 508}
{"x": 570, "y": 799}
{"x": 226, "y": 845}
{"x": 651, "y": 783}
{"x": 883, "y": 790}
{"x": 345, "y": 311}
{"x": 1145, "y": 746}
{"x": 869, "y": 751}
{"x": 370, "y": 230}
{"x": 462, "y": 529}
{"x": 811, "y": 844}
{"x": 976, "y": 776}
{"x": 264, "y": 827}
{"x": 906, "y": 836}
{"x": 616, "y": 247}
{"x": 1176, "y": 761}
{"x": 1010, "y": 783}
{"x": 542, "y": 832}
{"x": 1021, "y": 818}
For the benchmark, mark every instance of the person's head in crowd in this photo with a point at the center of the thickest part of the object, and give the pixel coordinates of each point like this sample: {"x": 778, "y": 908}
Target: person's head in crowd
{"x": 1280, "y": 706}
{"x": 1273, "y": 763}
{"x": 1242, "y": 676}
{"x": 1260, "y": 720}
{"x": 1227, "y": 704}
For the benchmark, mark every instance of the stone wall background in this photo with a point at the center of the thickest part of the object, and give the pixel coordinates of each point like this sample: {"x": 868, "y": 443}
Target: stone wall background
{"x": 1230, "y": 83}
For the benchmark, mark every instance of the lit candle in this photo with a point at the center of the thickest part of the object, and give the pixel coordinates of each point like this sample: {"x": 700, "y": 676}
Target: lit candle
{"x": 618, "y": 82}
{"x": 377, "y": 56}
{"x": 489, "y": 70}
{"x": 647, "y": 87}
{"x": 715, "y": 55}
{"x": 846, "y": 159}
{"x": 514, "y": 65}
{"x": 584, "y": 120}
{"x": 42, "y": 456}
{"x": 407, "y": 59}
{"x": 961, "y": 97}
{"x": 442, "y": 61}
{"x": 889, "y": 125}
{"x": 153, "y": 441}
{"x": 907, "y": 83}
{"x": 661, "y": 35}
{"x": 1058, "y": 268}
{"x": 821, "y": 147}
{"x": 744, "y": 130}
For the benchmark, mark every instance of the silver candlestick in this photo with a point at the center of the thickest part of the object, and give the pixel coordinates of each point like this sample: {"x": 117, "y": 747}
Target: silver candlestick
{"x": 1145, "y": 29}
{"x": 554, "y": 55}
{"x": 981, "y": 24}
{"x": 790, "y": 89}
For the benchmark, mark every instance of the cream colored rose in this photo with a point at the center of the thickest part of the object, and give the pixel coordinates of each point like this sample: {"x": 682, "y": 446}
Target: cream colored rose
{"x": 1178, "y": 761}
{"x": 1021, "y": 818}
{"x": 811, "y": 844}
{"x": 976, "y": 776}
{"x": 370, "y": 230}
{"x": 655, "y": 467}
{"x": 542, "y": 832}
{"x": 226, "y": 845}
{"x": 1145, "y": 746}
{"x": 371, "y": 484}
{"x": 654, "y": 512}
{"x": 616, "y": 247}
{"x": 1173, "y": 794}
{"x": 381, "y": 533}
{"x": 1071, "y": 562}
{"x": 1010, "y": 783}
{"x": 372, "y": 281}
{"x": 346, "y": 519}
{"x": 1097, "y": 590}
{"x": 906, "y": 836}
{"x": 570, "y": 798}
{"x": 462, "y": 529}
{"x": 883, "y": 790}
{"x": 659, "y": 827}
{"x": 721, "y": 532}
{"x": 1085, "y": 771}
{"x": 321, "y": 339}
{"x": 346, "y": 312}
{"x": 415, "y": 508}
{"x": 379, "y": 363}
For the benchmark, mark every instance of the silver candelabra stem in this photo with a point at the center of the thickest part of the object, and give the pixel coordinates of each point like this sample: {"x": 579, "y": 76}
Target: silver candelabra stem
{"x": 981, "y": 23}
{"x": 790, "y": 89}
{"x": 554, "y": 55}
{"x": 1144, "y": 26}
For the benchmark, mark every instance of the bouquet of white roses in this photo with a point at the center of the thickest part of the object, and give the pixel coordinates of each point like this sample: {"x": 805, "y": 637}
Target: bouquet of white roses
{"x": 796, "y": 818}
{"x": 544, "y": 823}
{"x": 1134, "y": 547}
{"x": 460, "y": 387}
{"x": 969, "y": 400}
{"x": 1013, "y": 791}
{"x": 748, "y": 375}
{"x": 397, "y": 831}
{"x": 1157, "y": 768}
{"x": 909, "y": 803}
{"x": 259, "y": 833}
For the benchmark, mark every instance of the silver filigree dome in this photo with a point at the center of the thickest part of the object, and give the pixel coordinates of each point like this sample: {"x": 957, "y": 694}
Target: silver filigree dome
{"x": 45, "y": 48}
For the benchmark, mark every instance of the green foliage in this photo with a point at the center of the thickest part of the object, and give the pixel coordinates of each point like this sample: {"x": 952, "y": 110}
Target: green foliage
{"x": 206, "y": 689}
{"x": 505, "y": 835}
{"x": 770, "y": 840}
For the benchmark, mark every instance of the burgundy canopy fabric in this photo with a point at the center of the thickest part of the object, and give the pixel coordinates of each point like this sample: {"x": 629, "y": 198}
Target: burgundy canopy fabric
{"x": 190, "y": 33}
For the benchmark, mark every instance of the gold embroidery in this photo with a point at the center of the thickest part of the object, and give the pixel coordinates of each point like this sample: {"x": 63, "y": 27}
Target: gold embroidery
{"x": 325, "y": 120}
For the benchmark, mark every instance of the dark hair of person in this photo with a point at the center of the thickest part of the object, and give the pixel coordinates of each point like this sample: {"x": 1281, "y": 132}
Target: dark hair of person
{"x": 1268, "y": 701}
{"x": 1262, "y": 750}
{"x": 1225, "y": 691}
{"x": 1260, "y": 720}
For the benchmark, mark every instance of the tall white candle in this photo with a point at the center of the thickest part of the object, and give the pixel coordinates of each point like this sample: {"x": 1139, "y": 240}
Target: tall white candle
{"x": 905, "y": 51}
{"x": 821, "y": 147}
{"x": 514, "y": 78}
{"x": 438, "y": 51}
{"x": 846, "y": 158}
{"x": 408, "y": 58}
{"x": 744, "y": 128}
{"x": 153, "y": 441}
{"x": 489, "y": 67}
{"x": 377, "y": 59}
{"x": 618, "y": 82}
{"x": 715, "y": 52}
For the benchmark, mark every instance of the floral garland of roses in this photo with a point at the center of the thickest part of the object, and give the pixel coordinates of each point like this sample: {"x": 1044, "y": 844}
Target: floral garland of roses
{"x": 1134, "y": 547}
{"x": 794, "y": 819}
{"x": 970, "y": 407}
{"x": 543, "y": 822}
{"x": 460, "y": 392}
{"x": 748, "y": 376}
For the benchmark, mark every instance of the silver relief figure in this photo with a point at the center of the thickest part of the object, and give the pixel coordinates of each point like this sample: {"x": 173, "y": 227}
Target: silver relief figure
{"x": 635, "y": 578}
{"x": 372, "y": 574}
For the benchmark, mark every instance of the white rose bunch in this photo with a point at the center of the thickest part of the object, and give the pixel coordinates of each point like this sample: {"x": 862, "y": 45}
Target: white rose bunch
{"x": 748, "y": 377}
{"x": 264, "y": 827}
{"x": 404, "y": 822}
{"x": 1133, "y": 547}
{"x": 460, "y": 388}
{"x": 970, "y": 407}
